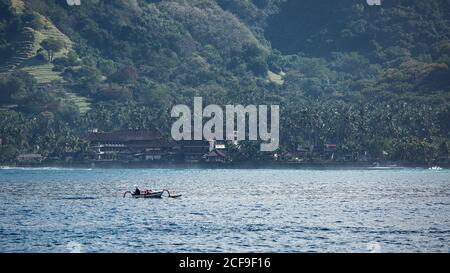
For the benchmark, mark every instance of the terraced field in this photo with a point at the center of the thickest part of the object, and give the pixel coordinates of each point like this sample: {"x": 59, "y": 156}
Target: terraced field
{"x": 25, "y": 49}
{"x": 27, "y": 44}
{"x": 43, "y": 72}
{"x": 82, "y": 103}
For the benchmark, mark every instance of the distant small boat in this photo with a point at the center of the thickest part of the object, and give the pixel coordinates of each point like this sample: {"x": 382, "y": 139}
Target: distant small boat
{"x": 151, "y": 194}
{"x": 145, "y": 194}
{"x": 435, "y": 168}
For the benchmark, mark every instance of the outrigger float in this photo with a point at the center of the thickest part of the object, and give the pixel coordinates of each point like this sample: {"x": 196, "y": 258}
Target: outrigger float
{"x": 151, "y": 194}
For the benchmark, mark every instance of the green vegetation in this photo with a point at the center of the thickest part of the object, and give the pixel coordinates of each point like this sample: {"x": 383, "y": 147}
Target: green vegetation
{"x": 373, "y": 80}
{"x": 52, "y": 45}
{"x": 42, "y": 72}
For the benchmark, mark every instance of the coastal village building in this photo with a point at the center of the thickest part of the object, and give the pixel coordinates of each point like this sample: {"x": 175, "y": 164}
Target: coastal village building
{"x": 131, "y": 146}
{"x": 193, "y": 151}
{"x": 216, "y": 156}
{"x": 30, "y": 158}
{"x": 145, "y": 146}
{"x": 217, "y": 152}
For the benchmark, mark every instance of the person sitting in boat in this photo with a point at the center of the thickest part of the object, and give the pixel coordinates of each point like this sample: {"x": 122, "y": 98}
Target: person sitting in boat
{"x": 137, "y": 191}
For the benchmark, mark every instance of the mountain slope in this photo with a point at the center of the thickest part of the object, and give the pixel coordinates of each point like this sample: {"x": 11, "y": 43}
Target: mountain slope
{"x": 364, "y": 77}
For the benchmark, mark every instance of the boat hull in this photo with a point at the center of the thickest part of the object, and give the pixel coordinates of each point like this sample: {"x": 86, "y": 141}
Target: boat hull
{"x": 153, "y": 194}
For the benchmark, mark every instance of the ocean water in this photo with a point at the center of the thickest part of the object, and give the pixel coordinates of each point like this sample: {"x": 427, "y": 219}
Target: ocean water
{"x": 83, "y": 210}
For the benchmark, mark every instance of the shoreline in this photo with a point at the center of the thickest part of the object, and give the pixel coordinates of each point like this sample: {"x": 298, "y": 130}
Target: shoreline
{"x": 240, "y": 165}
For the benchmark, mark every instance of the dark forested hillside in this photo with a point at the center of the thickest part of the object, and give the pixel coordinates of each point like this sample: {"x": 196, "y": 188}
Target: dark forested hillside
{"x": 371, "y": 79}
{"x": 322, "y": 27}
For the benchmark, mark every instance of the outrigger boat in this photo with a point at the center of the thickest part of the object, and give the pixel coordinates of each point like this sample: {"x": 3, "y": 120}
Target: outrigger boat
{"x": 151, "y": 194}
{"x": 145, "y": 194}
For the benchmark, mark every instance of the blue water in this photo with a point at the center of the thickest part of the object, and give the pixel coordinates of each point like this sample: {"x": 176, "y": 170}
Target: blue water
{"x": 82, "y": 210}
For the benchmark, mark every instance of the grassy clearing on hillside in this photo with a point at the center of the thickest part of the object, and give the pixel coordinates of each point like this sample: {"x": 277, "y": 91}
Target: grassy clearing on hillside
{"x": 82, "y": 103}
{"x": 276, "y": 78}
{"x": 43, "y": 72}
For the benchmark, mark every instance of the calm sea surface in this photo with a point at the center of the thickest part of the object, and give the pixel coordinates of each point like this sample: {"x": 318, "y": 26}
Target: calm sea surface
{"x": 63, "y": 210}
